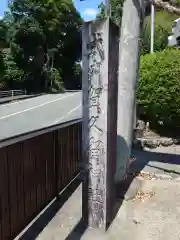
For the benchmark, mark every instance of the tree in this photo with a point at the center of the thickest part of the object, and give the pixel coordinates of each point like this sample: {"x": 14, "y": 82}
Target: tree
{"x": 28, "y": 32}
{"x": 3, "y": 32}
{"x": 163, "y": 26}
{"x": 116, "y": 10}
{"x": 3, "y": 44}
{"x": 169, "y": 6}
{"x": 35, "y": 27}
{"x": 60, "y": 23}
{"x": 13, "y": 75}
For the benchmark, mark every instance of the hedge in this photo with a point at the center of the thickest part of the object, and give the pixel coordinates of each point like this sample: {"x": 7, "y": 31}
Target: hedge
{"x": 159, "y": 88}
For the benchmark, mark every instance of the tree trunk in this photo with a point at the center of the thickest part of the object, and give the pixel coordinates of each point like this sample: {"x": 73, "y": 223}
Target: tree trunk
{"x": 129, "y": 52}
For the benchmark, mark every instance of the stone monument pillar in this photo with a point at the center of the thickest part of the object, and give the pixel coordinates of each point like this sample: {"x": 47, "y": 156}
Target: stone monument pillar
{"x": 99, "y": 85}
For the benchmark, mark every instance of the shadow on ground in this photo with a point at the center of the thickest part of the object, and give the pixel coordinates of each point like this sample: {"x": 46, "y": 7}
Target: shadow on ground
{"x": 77, "y": 231}
{"x": 37, "y": 227}
{"x": 158, "y": 163}
{"x": 154, "y": 162}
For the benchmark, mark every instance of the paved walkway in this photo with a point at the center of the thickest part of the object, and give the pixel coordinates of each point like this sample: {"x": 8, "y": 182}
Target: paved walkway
{"x": 150, "y": 211}
{"x": 156, "y": 216}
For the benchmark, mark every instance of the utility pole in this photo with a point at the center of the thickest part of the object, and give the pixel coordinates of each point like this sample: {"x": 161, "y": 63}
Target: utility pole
{"x": 152, "y": 29}
{"x": 129, "y": 56}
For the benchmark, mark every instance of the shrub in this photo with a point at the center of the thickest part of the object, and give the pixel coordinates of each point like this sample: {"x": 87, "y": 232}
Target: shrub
{"x": 159, "y": 87}
{"x": 12, "y": 75}
{"x": 77, "y": 76}
{"x": 55, "y": 80}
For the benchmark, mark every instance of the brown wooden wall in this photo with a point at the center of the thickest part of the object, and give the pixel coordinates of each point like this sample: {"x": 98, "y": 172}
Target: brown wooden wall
{"x": 33, "y": 172}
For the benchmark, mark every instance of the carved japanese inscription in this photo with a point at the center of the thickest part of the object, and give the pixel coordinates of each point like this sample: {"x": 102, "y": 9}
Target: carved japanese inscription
{"x": 96, "y": 145}
{"x": 97, "y": 124}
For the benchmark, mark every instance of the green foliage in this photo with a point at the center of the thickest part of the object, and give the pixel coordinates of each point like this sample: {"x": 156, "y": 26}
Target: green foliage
{"x": 13, "y": 76}
{"x": 101, "y": 8}
{"x": 163, "y": 28}
{"x": 27, "y": 30}
{"x": 30, "y": 29}
{"x": 3, "y": 30}
{"x": 60, "y": 23}
{"x": 116, "y": 10}
{"x": 55, "y": 81}
{"x": 158, "y": 92}
{"x": 163, "y": 24}
{"x": 2, "y": 70}
{"x": 78, "y": 75}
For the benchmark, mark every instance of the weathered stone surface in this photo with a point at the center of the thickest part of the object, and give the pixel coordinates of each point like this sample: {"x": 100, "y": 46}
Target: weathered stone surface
{"x": 128, "y": 188}
{"x": 133, "y": 189}
{"x": 167, "y": 142}
{"x": 99, "y": 84}
{"x": 163, "y": 176}
{"x": 151, "y": 143}
{"x": 138, "y": 133}
{"x": 141, "y": 124}
{"x": 178, "y": 179}
{"x": 176, "y": 141}
{"x": 139, "y": 143}
{"x": 155, "y": 218}
{"x": 140, "y": 128}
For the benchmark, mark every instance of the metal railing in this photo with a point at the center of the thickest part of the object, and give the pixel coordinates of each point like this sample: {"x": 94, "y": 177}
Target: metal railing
{"x": 34, "y": 168}
{"x": 12, "y": 93}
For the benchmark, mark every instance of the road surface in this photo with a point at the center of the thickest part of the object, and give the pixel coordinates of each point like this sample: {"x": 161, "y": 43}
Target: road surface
{"x": 35, "y": 113}
{"x": 15, "y": 98}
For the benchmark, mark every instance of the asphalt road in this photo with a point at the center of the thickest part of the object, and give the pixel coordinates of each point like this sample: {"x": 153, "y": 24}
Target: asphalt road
{"x": 15, "y": 98}
{"x": 34, "y": 113}
{"x": 8, "y": 99}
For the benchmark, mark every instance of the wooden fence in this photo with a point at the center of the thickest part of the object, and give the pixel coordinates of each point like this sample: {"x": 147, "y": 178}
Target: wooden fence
{"x": 34, "y": 168}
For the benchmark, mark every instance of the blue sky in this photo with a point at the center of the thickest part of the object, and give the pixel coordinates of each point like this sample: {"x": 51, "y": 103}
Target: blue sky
{"x": 87, "y": 8}
{"x": 3, "y": 7}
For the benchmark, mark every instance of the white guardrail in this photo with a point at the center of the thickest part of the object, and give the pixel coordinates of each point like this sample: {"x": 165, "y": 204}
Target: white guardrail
{"x": 12, "y": 93}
